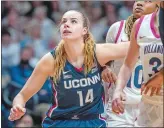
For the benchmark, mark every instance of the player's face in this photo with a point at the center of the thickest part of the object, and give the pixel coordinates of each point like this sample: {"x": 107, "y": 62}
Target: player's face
{"x": 150, "y": 6}
{"x": 72, "y": 26}
{"x": 144, "y": 7}
{"x": 138, "y": 9}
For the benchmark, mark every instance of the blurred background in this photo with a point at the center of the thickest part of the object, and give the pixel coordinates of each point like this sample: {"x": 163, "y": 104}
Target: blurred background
{"x": 28, "y": 31}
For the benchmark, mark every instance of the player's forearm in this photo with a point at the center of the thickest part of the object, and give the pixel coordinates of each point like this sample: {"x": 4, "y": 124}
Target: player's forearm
{"x": 123, "y": 77}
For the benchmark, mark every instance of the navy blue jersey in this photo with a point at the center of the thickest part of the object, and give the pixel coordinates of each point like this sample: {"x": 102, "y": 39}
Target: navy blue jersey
{"x": 76, "y": 94}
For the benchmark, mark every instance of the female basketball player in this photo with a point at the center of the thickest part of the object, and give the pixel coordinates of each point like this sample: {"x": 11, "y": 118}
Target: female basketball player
{"x": 120, "y": 31}
{"x": 144, "y": 38}
{"x": 74, "y": 69}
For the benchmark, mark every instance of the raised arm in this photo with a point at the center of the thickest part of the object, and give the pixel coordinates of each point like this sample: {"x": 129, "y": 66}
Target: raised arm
{"x": 125, "y": 72}
{"x": 43, "y": 69}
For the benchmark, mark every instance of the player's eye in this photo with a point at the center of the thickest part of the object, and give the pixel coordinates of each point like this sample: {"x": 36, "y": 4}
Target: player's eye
{"x": 148, "y": 1}
{"x": 63, "y": 21}
{"x": 74, "y": 21}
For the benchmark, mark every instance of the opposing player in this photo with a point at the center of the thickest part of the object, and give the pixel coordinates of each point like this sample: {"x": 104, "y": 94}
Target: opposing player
{"x": 118, "y": 32}
{"x": 74, "y": 67}
{"x": 145, "y": 40}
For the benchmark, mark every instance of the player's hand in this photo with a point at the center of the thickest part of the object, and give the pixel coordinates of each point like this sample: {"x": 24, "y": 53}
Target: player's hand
{"x": 16, "y": 112}
{"x": 117, "y": 102}
{"x": 108, "y": 76}
{"x": 154, "y": 85}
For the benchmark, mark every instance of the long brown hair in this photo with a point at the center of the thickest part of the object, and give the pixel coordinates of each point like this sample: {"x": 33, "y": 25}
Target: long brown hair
{"x": 60, "y": 54}
{"x": 129, "y": 25}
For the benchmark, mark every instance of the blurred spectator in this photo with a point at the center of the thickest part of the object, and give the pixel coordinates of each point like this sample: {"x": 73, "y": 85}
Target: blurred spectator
{"x": 10, "y": 50}
{"x": 98, "y": 22}
{"x": 13, "y": 21}
{"x": 33, "y": 37}
{"x": 25, "y": 121}
{"x": 41, "y": 110}
{"x": 23, "y": 69}
{"x": 56, "y": 13}
{"x": 5, "y": 123}
{"x": 69, "y": 5}
{"x": 111, "y": 16}
{"x": 47, "y": 25}
{"x": 23, "y": 7}
{"x": 87, "y": 7}
{"x": 6, "y": 6}
{"x": 36, "y": 4}
{"x": 125, "y": 10}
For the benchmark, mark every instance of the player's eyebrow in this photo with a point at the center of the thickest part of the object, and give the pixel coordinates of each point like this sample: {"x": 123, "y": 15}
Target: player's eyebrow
{"x": 70, "y": 18}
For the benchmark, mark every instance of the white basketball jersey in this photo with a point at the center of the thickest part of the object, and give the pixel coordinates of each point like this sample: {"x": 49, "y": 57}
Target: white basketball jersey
{"x": 133, "y": 88}
{"x": 151, "y": 48}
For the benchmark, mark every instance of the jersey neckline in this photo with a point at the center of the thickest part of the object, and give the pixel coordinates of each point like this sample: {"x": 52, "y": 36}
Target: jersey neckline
{"x": 152, "y": 25}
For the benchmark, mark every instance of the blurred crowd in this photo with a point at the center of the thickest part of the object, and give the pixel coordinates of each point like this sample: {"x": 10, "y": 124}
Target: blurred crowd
{"x": 31, "y": 29}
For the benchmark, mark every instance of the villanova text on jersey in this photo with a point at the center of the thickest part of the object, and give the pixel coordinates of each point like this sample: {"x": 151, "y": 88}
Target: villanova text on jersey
{"x": 154, "y": 48}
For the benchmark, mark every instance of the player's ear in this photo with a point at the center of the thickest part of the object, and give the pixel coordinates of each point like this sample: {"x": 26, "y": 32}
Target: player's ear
{"x": 85, "y": 30}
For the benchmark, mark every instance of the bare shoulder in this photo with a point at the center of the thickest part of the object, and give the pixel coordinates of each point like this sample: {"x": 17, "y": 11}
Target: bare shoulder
{"x": 46, "y": 64}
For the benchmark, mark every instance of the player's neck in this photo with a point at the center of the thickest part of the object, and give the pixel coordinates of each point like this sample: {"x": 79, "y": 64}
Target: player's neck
{"x": 74, "y": 50}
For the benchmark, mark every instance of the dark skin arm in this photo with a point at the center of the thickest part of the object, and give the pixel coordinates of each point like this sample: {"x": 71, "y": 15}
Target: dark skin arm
{"x": 154, "y": 84}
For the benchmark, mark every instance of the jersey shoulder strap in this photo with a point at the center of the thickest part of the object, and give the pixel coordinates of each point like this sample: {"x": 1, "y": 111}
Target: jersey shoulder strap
{"x": 138, "y": 26}
{"x": 119, "y": 30}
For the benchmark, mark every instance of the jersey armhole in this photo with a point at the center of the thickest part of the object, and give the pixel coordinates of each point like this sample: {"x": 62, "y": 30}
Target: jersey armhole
{"x": 119, "y": 30}
{"x": 53, "y": 52}
{"x": 96, "y": 60}
{"x": 138, "y": 25}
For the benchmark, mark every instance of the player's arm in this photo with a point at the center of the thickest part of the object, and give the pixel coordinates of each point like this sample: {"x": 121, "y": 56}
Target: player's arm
{"x": 129, "y": 62}
{"x": 43, "y": 69}
{"x": 125, "y": 73}
{"x": 107, "y": 52}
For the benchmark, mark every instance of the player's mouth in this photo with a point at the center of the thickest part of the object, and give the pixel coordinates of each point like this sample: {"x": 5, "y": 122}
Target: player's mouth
{"x": 66, "y": 32}
{"x": 138, "y": 9}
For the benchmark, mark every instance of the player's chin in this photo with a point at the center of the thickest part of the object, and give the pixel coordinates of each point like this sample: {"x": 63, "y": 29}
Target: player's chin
{"x": 66, "y": 37}
{"x": 138, "y": 14}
